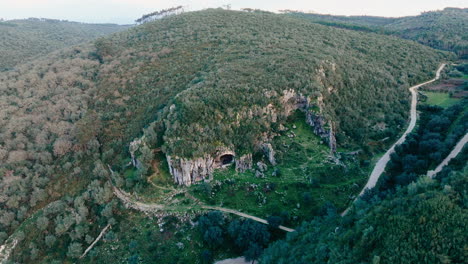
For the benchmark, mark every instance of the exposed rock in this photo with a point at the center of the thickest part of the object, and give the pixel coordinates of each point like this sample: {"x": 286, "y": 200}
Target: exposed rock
{"x": 259, "y": 174}
{"x": 318, "y": 124}
{"x": 269, "y": 153}
{"x": 244, "y": 163}
{"x": 189, "y": 171}
{"x": 282, "y": 128}
{"x": 262, "y": 166}
{"x": 134, "y": 146}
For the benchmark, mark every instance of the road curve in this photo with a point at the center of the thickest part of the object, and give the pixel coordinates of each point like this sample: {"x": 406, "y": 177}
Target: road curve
{"x": 382, "y": 163}
{"x": 452, "y": 155}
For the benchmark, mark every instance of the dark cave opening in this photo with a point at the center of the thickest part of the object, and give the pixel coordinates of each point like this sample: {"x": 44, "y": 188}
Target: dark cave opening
{"x": 226, "y": 159}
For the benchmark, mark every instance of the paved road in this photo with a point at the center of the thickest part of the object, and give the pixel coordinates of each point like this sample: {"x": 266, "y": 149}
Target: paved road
{"x": 457, "y": 149}
{"x": 382, "y": 163}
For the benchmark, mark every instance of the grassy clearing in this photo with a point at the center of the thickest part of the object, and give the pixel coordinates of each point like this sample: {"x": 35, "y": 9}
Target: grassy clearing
{"x": 440, "y": 99}
{"x": 305, "y": 179}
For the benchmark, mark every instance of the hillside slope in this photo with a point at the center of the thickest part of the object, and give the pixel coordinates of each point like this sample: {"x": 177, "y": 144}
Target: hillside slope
{"x": 445, "y": 29}
{"x": 423, "y": 222}
{"x": 191, "y": 84}
{"x": 23, "y": 40}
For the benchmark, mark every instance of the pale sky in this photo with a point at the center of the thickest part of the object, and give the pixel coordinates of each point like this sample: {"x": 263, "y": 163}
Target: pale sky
{"x": 126, "y": 11}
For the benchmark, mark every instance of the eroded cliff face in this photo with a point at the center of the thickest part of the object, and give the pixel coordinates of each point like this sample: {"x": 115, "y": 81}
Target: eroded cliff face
{"x": 190, "y": 171}
{"x": 322, "y": 129}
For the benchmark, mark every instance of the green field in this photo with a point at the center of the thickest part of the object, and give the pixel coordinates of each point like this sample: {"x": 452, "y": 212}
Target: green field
{"x": 440, "y": 99}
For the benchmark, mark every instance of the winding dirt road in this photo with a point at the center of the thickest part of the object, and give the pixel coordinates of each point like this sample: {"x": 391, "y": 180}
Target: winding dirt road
{"x": 457, "y": 149}
{"x": 151, "y": 207}
{"x": 382, "y": 163}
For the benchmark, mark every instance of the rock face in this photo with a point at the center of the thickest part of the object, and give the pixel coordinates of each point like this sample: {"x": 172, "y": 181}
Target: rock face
{"x": 318, "y": 124}
{"x": 269, "y": 153}
{"x": 186, "y": 172}
{"x": 189, "y": 171}
{"x": 244, "y": 163}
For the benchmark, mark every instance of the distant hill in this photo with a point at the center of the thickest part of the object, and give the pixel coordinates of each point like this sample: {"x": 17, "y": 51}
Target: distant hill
{"x": 23, "y": 40}
{"x": 446, "y": 29}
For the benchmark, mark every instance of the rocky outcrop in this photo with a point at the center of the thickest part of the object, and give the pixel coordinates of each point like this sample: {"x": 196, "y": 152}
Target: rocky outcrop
{"x": 189, "y": 171}
{"x": 269, "y": 153}
{"x": 134, "y": 146}
{"x": 244, "y": 163}
{"x": 292, "y": 101}
{"x": 321, "y": 129}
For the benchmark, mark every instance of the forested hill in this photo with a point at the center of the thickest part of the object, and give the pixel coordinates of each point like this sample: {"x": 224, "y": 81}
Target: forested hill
{"x": 202, "y": 80}
{"x": 445, "y": 29}
{"x": 23, "y": 40}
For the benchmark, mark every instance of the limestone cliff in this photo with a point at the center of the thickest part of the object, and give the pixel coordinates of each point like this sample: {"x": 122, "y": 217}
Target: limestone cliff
{"x": 269, "y": 153}
{"x": 189, "y": 171}
{"x": 321, "y": 129}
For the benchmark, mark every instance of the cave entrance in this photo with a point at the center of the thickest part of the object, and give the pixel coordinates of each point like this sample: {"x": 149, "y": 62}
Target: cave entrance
{"x": 226, "y": 159}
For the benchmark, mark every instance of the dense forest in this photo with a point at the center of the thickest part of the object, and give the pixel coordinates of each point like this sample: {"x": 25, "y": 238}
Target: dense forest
{"x": 24, "y": 40}
{"x": 445, "y": 29}
{"x": 189, "y": 84}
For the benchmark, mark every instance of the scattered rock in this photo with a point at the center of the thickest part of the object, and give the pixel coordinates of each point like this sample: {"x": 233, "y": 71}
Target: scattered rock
{"x": 259, "y": 174}
{"x": 262, "y": 166}
{"x": 180, "y": 245}
{"x": 282, "y": 128}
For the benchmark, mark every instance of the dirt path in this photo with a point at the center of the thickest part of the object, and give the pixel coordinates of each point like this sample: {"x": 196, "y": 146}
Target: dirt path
{"x": 260, "y": 220}
{"x": 382, "y": 163}
{"x": 95, "y": 241}
{"x": 457, "y": 149}
{"x": 239, "y": 260}
{"x": 151, "y": 207}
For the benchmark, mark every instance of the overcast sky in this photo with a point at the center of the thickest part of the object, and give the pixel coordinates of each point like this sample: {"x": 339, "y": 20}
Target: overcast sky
{"x": 126, "y": 11}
